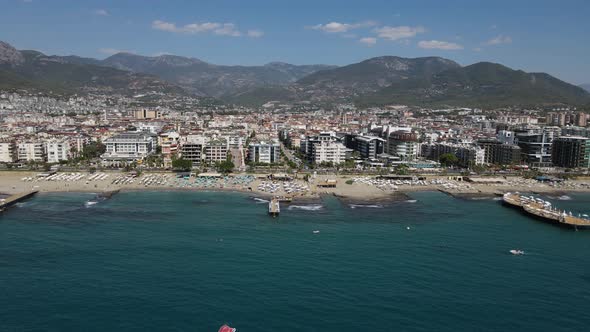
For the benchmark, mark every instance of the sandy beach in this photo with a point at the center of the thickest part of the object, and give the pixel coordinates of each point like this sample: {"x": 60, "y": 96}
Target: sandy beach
{"x": 362, "y": 188}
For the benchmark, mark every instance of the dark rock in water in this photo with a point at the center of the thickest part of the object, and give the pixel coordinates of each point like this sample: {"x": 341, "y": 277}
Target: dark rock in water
{"x": 108, "y": 194}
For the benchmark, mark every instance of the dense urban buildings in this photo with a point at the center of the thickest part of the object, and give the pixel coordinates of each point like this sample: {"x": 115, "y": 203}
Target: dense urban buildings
{"x": 42, "y": 130}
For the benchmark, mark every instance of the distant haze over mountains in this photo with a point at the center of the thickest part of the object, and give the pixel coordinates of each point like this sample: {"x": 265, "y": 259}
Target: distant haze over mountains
{"x": 585, "y": 86}
{"x": 208, "y": 79}
{"x": 378, "y": 81}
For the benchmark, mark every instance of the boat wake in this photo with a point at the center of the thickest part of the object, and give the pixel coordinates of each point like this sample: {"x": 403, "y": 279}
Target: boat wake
{"x": 314, "y": 207}
{"x": 373, "y": 206}
{"x": 90, "y": 203}
{"x": 260, "y": 200}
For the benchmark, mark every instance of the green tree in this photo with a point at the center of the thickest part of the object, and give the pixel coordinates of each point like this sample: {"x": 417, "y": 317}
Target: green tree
{"x": 225, "y": 166}
{"x": 448, "y": 159}
{"x": 93, "y": 150}
{"x": 182, "y": 164}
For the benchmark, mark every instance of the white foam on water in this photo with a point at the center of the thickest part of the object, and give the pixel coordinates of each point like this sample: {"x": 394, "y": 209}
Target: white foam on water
{"x": 260, "y": 200}
{"x": 90, "y": 203}
{"x": 372, "y": 206}
{"x": 314, "y": 207}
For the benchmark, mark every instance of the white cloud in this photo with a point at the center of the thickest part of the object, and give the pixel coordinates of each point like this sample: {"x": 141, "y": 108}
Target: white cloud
{"x": 400, "y": 32}
{"x": 111, "y": 51}
{"x": 369, "y": 41}
{"x": 439, "y": 45}
{"x": 189, "y": 28}
{"x": 336, "y": 27}
{"x": 101, "y": 12}
{"x": 255, "y": 33}
{"x": 228, "y": 29}
{"x": 221, "y": 29}
{"x": 500, "y": 39}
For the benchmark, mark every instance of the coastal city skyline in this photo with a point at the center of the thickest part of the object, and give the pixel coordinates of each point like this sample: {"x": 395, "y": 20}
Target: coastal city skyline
{"x": 293, "y": 166}
{"x": 323, "y": 33}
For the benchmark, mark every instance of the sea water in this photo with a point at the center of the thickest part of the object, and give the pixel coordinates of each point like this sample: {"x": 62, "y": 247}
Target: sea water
{"x": 192, "y": 261}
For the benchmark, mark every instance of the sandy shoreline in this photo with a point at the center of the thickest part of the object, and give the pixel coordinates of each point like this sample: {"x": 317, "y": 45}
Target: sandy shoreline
{"x": 357, "y": 192}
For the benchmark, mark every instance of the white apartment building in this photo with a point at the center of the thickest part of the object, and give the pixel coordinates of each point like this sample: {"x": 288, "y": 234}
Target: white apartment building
{"x": 57, "y": 151}
{"x": 31, "y": 151}
{"x": 328, "y": 151}
{"x": 8, "y": 152}
{"x": 216, "y": 150}
{"x": 268, "y": 153}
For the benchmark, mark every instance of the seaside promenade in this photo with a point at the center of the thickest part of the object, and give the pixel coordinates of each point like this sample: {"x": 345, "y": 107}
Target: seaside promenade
{"x": 353, "y": 187}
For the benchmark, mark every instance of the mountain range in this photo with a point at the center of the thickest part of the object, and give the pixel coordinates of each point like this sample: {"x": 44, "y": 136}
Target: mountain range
{"x": 425, "y": 81}
{"x": 585, "y": 86}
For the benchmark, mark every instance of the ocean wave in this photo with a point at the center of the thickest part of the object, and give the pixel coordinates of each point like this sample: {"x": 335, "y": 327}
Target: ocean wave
{"x": 314, "y": 207}
{"x": 372, "y": 206}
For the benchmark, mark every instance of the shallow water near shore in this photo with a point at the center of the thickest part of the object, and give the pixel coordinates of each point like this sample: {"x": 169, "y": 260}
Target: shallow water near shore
{"x": 191, "y": 261}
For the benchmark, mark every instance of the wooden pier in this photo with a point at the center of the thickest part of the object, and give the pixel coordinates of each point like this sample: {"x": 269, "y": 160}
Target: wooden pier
{"x": 5, "y": 203}
{"x": 274, "y": 207}
{"x": 549, "y": 214}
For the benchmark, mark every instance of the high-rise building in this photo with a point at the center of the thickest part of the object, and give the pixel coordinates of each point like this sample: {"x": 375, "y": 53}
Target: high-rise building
{"x": 495, "y": 152}
{"x": 403, "y": 144}
{"x": 571, "y": 152}
{"x": 536, "y": 143}
{"x": 262, "y": 152}
{"x": 369, "y": 147}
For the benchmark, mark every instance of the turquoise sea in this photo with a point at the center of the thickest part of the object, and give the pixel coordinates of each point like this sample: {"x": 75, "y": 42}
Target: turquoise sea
{"x": 182, "y": 261}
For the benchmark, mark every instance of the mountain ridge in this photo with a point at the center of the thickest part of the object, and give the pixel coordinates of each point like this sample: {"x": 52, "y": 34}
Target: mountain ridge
{"x": 380, "y": 80}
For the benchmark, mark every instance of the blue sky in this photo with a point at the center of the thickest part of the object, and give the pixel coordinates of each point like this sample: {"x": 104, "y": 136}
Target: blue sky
{"x": 549, "y": 36}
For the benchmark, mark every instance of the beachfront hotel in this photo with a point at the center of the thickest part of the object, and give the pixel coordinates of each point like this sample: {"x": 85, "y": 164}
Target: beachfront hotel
{"x": 126, "y": 148}
{"x": 262, "y": 152}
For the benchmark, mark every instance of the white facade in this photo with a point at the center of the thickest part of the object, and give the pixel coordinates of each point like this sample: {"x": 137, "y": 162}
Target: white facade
{"x": 31, "y": 151}
{"x": 57, "y": 151}
{"x": 328, "y": 151}
{"x": 268, "y": 153}
{"x": 127, "y": 147}
{"x": 7, "y": 152}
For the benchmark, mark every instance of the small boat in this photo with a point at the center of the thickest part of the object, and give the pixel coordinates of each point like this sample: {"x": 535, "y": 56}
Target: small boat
{"x": 316, "y": 232}
{"x": 226, "y": 328}
{"x": 90, "y": 203}
{"x": 517, "y": 252}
